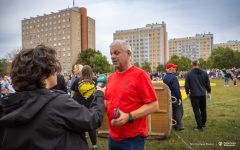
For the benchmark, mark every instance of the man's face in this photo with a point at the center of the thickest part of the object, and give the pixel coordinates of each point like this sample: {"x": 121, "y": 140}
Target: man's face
{"x": 174, "y": 70}
{"x": 119, "y": 57}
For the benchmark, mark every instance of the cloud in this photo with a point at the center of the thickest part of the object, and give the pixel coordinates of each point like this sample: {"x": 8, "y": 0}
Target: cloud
{"x": 183, "y": 18}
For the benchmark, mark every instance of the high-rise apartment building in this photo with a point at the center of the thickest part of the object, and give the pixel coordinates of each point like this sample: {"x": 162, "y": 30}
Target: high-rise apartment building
{"x": 148, "y": 44}
{"x": 234, "y": 45}
{"x": 69, "y": 31}
{"x": 199, "y": 46}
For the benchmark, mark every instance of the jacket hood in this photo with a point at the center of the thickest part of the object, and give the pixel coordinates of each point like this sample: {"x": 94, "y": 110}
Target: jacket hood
{"x": 21, "y": 107}
{"x": 197, "y": 70}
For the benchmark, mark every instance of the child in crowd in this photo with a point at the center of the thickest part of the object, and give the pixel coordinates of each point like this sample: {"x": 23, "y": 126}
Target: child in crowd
{"x": 235, "y": 80}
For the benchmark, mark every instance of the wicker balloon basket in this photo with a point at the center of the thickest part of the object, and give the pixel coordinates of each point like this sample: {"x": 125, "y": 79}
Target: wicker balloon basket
{"x": 159, "y": 123}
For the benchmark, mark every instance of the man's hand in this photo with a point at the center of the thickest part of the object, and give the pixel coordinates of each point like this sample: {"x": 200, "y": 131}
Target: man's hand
{"x": 208, "y": 96}
{"x": 101, "y": 89}
{"x": 188, "y": 97}
{"x": 123, "y": 118}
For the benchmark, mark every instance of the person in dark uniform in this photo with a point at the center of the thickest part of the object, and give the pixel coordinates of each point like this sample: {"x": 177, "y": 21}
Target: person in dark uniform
{"x": 196, "y": 84}
{"x": 173, "y": 84}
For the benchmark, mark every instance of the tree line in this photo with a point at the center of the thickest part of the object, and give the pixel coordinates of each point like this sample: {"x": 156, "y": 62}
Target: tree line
{"x": 220, "y": 58}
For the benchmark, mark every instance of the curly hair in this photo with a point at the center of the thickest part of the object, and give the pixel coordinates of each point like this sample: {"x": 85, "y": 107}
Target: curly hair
{"x": 31, "y": 67}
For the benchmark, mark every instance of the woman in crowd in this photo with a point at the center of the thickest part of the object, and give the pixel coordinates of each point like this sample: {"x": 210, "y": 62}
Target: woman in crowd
{"x": 77, "y": 73}
{"x": 83, "y": 88}
{"x": 226, "y": 78}
{"x": 36, "y": 117}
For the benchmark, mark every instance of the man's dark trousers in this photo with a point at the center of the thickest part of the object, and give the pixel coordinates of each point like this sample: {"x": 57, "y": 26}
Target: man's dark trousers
{"x": 177, "y": 113}
{"x": 199, "y": 102}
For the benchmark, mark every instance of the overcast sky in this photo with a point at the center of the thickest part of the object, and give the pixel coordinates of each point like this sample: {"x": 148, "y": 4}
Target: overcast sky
{"x": 183, "y": 18}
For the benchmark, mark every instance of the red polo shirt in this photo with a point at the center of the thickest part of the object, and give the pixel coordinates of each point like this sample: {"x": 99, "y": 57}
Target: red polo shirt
{"x": 129, "y": 91}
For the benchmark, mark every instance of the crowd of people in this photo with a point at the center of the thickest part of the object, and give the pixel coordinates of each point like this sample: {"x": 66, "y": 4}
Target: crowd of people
{"x": 39, "y": 110}
{"x": 225, "y": 74}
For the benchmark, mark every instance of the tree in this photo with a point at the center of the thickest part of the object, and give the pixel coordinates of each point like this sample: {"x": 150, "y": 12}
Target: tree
{"x": 222, "y": 58}
{"x": 10, "y": 56}
{"x": 84, "y": 56}
{"x": 203, "y": 64}
{"x": 99, "y": 63}
{"x": 112, "y": 68}
{"x": 161, "y": 68}
{"x": 182, "y": 62}
{"x": 4, "y": 67}
{"x": 136, "y": 64}
{"x": 146, "y": 66}
{"x": 236, "y": 59}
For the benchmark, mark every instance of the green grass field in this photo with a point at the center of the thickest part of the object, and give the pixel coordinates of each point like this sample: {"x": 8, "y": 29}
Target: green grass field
{"x": 223, "y": 124}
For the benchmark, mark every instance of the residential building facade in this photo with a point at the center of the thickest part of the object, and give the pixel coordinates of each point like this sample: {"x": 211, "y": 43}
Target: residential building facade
{"x": 199, "y": 46}
{"x": 148, "y": 44}
{"x": 69, "y": 31}
{"x": 234, "y": 45}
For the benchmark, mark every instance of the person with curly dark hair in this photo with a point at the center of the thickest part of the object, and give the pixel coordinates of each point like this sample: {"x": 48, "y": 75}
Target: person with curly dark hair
{"x": 36, "y": 117}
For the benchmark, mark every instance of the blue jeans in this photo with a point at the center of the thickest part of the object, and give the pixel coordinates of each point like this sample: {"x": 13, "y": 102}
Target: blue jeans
{"x": 136, "y": 143}
{"x": 226, "y": 81}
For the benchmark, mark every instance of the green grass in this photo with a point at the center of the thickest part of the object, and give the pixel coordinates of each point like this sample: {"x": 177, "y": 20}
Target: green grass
{"x": 223, "y": 124}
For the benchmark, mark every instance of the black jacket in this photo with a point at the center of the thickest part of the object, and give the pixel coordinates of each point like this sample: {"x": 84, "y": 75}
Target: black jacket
{"x": 228, "y": 75}
{"x": 48, "y": 120}
{"x": 197, "y": 82}
{"x": 173, "y": 84}
{"x": 61, "y": 84}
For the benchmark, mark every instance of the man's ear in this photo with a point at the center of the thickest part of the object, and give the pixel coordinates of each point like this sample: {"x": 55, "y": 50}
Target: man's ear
{"x": 129, "y": 53}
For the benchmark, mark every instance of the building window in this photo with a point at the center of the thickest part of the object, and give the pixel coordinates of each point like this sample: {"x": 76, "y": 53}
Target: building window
{"x": 68, "y": 37}
{"x": 69, "y": 48}
{"x": 63, "y": 32}
{"x": 63, "y": 26}
{"x": 59, "y": 44}
{"x": 63, "y": 54}
{"x": 59, "y": 32}
{"x": 63, "y": 38}
{"x": 54, "y": 44}
{"x": 59, "y": 49}
{"x": 59, "y": 27}
{"x": 59, "y": 16}
{"x": 68, "y": 31}
{"x": 64, "y": 49}
{"x": 69, "y": 54}
{"x": 59, "y": 55}
{"x": 68, "y": 13}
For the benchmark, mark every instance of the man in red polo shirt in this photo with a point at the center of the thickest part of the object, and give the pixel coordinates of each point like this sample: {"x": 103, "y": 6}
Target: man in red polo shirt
{"x": 131, "y": 90}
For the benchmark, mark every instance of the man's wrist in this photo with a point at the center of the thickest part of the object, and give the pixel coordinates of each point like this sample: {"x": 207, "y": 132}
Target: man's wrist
{"x": 130, "y": 120}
